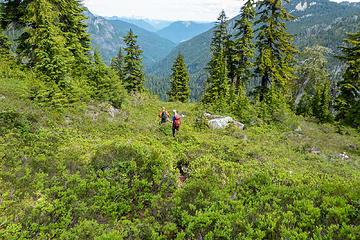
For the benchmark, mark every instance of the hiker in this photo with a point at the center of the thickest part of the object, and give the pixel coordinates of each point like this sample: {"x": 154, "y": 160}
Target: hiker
{"x": 164, "y": 115}
{"x": 176, "y": 122}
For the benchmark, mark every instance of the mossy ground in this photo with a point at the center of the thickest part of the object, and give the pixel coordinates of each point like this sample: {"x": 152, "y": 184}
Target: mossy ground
{"x": 82, "y": 174}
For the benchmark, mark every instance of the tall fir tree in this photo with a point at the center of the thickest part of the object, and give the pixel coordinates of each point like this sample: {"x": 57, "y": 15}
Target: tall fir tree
{"x": 105, "y": 82}
{"x": 180, "y": 90}
{"x": 217, "y": 83}
{"x": 320, "y": 103}
{"x": 56, "y": 44}
{"x": 220, "y": 34}
{"x": 134, "y": 76}
{"x": 49, "y": 56}
{"x": 117, "y": 64}
{"x": 69, "y": 20}
{"x": 221, "y": 42}
{"x": 244, "y": 48}
{"x": 99, "y": 71}
{"x": 274, "y": 44}
{"x": 348, "y": 101}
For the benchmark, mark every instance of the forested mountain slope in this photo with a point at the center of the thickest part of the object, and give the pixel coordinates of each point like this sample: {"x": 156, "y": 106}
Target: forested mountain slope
{"x": 318, "y": 23}
{"x": 106, "y": 36}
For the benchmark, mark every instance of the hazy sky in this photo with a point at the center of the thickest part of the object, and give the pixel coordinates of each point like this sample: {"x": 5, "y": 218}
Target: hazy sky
{"x": 199, "y": 10}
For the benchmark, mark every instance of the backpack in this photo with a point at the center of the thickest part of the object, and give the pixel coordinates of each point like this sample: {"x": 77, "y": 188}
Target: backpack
{"x": 177, "y": 121}
{"x": 163, "y": 116}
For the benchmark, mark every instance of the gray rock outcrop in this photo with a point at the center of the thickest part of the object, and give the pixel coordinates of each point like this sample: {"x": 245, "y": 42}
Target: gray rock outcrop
{"x": 219, "y": 122}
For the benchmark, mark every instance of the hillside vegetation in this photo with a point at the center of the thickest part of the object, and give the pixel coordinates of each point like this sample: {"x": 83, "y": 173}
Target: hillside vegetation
{"x": 83, "y": 156}
{"x": 83, "y": 174}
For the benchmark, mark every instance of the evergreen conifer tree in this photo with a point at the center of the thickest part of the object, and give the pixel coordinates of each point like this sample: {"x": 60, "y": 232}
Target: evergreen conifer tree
{"x": 48, "y": 55}
{"x": 244, "y": 48}
{"x": 117, "y": 64}
{"x": 348, "y": 101}
{"x": 221, "y": 42}
{"x": 99, "y": 71}
{"x": 274, "y": 44}
{"x": 220, "y": 35}
{"x": 180, "y": 90}
{"x": 134, "y": 76}
{"x": 105, "y": 82}
{"x": 320, "y": 103}
{"x": 68, "y": 19}
{"x": 4, "y": 45}
{"x": 240, "y": 105}
{"x": 71, "y": 23}
{"x": 217, "y": 84}
{"x": 55, "y": 43}
{"x": 304, "y": 106}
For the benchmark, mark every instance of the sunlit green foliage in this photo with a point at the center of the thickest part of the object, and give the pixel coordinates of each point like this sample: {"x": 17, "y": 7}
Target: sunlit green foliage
{"x": 118, "y": 64}
{"x": 134, "y": 76}
{"x": 244, "y": 48}
{"x": 54, "y": 45}
{"x": 179, "y": 90}
{"x": 274, "y": 45}
{"x": 348, "y": 102}
{"x": 106, "y": 84}
{"x": 83, "y": 174}
{"x": 217, "y": 86}
{"x": 91, "y": 171}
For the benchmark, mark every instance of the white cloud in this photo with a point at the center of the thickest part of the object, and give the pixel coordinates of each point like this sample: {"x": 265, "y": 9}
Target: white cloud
{"x": 200, "y": 10}
{"x": 345, "y": 1}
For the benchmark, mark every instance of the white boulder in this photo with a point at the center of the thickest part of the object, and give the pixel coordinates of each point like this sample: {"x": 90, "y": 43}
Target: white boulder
{"x": 219, "y": 123}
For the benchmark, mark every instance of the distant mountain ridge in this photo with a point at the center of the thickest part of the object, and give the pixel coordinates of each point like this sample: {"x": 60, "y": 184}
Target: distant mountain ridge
{"x": 138, "y": 22}
{"x": 151, "y": 25}
{"x": 184, "y": 30}
{"x": 319, "y": 22}
{"x": 175, "y": 31}
{"x": 107, "y": 35}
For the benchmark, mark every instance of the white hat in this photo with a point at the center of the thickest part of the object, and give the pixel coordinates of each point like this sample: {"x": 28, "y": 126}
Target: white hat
{"x": 163, "y": 108}
{"x": 174, "y": 111}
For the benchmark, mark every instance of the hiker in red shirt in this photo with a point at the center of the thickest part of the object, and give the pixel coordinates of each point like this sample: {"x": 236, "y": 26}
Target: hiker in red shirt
{"x": 176, "y": 121}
